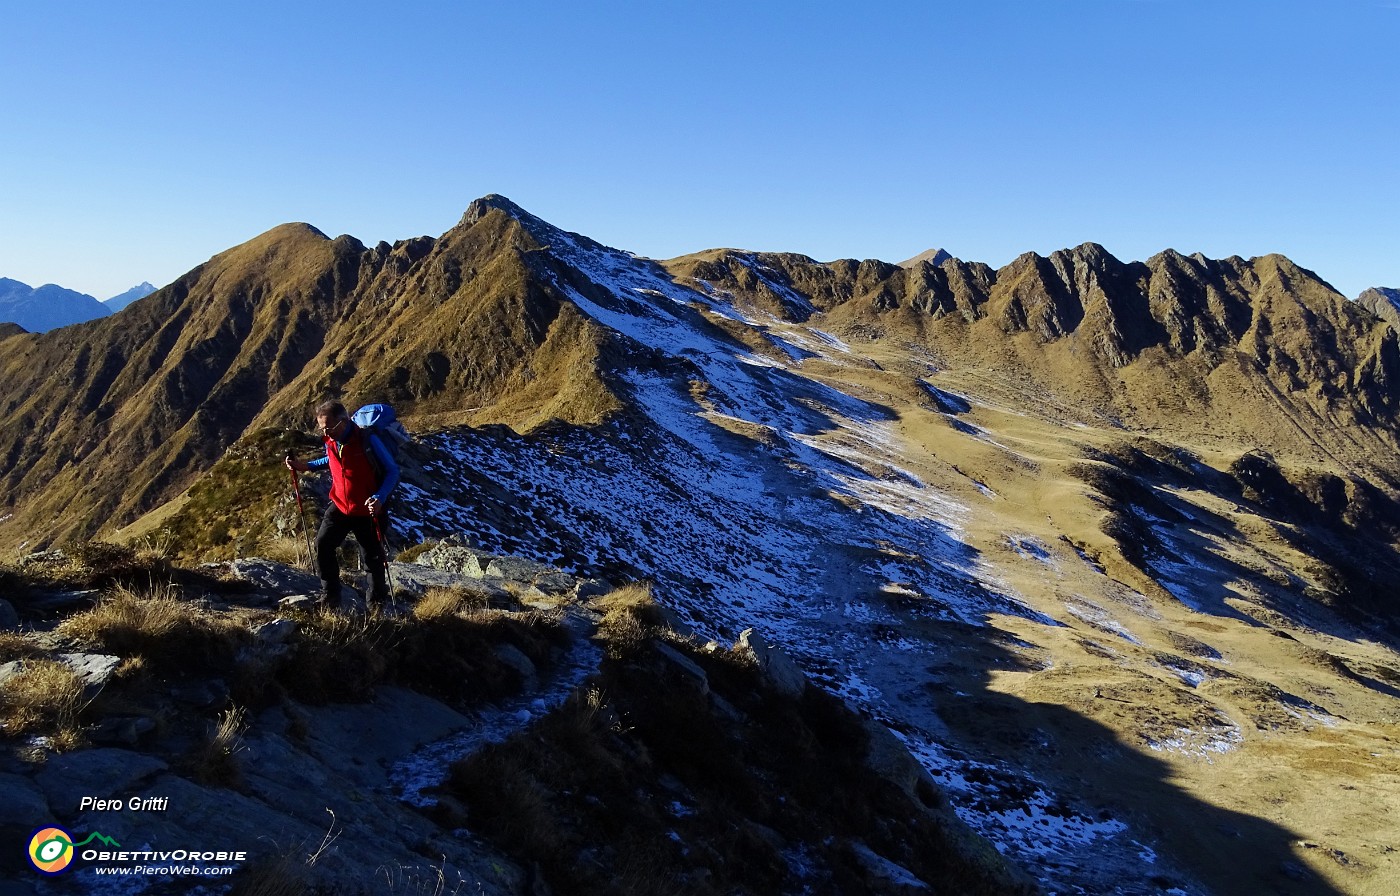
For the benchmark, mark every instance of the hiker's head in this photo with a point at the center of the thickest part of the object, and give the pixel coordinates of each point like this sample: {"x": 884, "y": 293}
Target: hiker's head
{"x": 331, "y": 418}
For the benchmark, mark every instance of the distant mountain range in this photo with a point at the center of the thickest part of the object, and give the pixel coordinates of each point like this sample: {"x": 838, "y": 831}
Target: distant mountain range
{"x": 51, "y": 306}
{"x": 140, "y": 291}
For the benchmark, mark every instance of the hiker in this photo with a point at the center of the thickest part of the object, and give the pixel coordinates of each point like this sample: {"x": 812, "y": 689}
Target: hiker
{"x": 363, "y": 473}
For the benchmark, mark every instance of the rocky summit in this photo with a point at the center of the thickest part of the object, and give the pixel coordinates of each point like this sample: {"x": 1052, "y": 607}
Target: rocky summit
{"x": 1084, "y": 567}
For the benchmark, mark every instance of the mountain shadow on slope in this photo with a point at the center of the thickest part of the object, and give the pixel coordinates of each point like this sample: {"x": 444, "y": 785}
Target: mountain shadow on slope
{"x": 1200, "y": 846}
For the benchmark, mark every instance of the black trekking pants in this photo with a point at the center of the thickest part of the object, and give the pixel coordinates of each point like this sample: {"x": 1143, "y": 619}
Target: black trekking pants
{"x": 334, "y": 527}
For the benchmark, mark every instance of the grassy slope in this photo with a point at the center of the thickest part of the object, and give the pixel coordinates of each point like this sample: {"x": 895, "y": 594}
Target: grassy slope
{"x": 1296, "y": 789}
{"x": 458, "y": 329}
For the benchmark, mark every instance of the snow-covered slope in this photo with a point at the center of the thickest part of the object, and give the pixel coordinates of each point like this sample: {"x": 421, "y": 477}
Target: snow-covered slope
{"x": 756, "y": 494}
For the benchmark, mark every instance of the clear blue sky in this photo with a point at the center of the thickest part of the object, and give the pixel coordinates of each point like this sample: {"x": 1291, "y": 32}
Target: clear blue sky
{"x": 140, "y": 138}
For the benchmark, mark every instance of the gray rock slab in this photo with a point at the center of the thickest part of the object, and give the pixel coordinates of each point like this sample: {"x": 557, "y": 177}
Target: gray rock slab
{"x": 278, "y": 631}
{"x": 95, "y": 669}
{"x": 24, "y": 805}
{"x": 58, "y": 601}
{"x": 103, "y": 772}
{"x": 685, "y": 665}
{"x": 419, "y": 579}
{"x": 360, "y": 736}
{"x": 123, "y": 730}
{"x": 556, "y": 583}
{"x": 305, "y": 602}
{"x": 588, "y": 588}
{"x": 779, "y": 668}
{"x": 518, "y": 569}
{"x": 514, "y": 658}
{"x": 275, "y": 579}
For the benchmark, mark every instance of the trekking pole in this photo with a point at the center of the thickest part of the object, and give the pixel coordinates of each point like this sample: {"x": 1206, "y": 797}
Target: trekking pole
{"x": 301, "y": 515}
{"x": 384, "y": 552}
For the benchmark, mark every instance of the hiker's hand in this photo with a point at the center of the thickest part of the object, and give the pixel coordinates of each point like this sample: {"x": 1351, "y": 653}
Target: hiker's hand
{"x": 373, "y": 505}
{"x": 299, "y": 466}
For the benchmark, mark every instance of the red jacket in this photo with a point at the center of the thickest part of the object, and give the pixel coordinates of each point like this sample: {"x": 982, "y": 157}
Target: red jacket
{"x": 353, "y": 476}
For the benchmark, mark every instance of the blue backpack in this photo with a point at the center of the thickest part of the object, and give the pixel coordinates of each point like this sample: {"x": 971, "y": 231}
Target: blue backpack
{"x": 380, "y": 420}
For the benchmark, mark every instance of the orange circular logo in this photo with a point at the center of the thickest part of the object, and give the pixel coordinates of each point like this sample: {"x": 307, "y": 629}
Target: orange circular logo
{"x": 51, "y": 850}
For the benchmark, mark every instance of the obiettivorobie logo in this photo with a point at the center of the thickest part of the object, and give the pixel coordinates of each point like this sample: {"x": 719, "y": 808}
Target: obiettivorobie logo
{"x": 51, "y": 850}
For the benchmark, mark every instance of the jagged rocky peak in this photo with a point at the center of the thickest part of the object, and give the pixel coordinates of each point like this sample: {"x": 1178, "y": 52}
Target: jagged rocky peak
{"x": 479, "y": 208}
{"x": 547, "y": 235}
{"x": 933, "y": 257}
{"x": 1383, "y": 302}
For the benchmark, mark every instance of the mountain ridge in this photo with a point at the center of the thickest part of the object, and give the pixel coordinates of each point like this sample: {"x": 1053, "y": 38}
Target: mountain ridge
{"x": 1107, "y": 543}
{"x": 1383, "y": 303}
{"x": 135, "y": 293}
{"x": 259, "y": 332}
{"x": 46, "y": 307}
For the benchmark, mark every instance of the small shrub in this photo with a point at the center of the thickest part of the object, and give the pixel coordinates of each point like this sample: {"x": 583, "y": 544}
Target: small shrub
{"x": 630, "y": 616}
{"x": 440, "y": 602}
{"x": 216, "y": 761}
{"x": 172, "y": 634}
{"x": 284, "y": 549}
{"x": 408, "y": 555}
{"x": 337, "y": 658}
{"x": 14, "y": 646}
{"x": 45, "y": 697}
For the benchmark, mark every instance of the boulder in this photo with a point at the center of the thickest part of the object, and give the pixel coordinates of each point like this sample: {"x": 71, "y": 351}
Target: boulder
{"x": 889, "y": 758}
{"x": 59, "y": 600}
{"x": 9, "y": 619}
{"x": 303, "y": 602}
{"x": 588, "y": 588}
{"x": 93, "y": 669}
{"x": 418, "y": 579}
{"x": 518, "y": 569}
{"x": 514, "y": 658}
{"x": 278, "y": 631}
{"x": 456, "y": 559}
{"x": 105, "y": 771}
{"x": 893, "y": 877}
{"x": 779, "y": 668}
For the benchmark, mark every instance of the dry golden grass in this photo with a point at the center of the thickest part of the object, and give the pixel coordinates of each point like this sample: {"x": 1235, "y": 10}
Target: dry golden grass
{"x": 284, "y": 549}
{"x": 630, "y": 615}
{"x": 216, "y": 760}
{"x": 45, "y": 697}
{"x": 409, "y": 554}
{"x": 14, "y": 645}
{"x": 440, "y": 602}
{"x": 157, "y": 624}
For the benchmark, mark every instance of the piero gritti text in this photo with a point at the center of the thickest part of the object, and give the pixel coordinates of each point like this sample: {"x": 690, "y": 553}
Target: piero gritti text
{"x": 116, "y": 804}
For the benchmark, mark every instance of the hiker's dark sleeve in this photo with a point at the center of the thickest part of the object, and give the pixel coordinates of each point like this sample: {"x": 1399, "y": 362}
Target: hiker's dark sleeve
{"x": 386, "y": 463}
